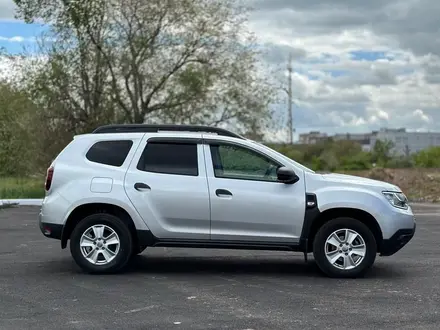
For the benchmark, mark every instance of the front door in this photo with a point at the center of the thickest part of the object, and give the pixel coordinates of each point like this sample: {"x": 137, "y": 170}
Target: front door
{"x": 247, "y": 202}
{"x": 166, "y": 182}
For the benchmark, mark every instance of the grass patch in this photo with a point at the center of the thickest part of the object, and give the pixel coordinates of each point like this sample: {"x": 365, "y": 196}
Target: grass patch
{"x": 12, "y": 188}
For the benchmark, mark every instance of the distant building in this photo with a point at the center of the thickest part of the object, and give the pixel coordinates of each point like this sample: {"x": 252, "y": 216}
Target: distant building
{"x": 406, "y": 143}
{"x": 364, "y": 139}
{"x": 315, "y": 136}
{"x": 312, "y": 137}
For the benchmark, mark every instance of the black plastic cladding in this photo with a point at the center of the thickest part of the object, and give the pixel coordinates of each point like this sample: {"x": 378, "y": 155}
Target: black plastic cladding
{"x": 311, "y": 214}
{"x": 147, "y": 128}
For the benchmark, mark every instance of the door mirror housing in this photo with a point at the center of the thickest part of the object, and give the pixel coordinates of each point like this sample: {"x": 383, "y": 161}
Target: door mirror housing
{"x": 287, "y": 175}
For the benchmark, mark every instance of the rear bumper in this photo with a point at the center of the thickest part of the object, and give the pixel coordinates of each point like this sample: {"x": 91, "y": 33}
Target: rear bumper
{"x": 51, "y": 230}
{"x": 397, "y": 241}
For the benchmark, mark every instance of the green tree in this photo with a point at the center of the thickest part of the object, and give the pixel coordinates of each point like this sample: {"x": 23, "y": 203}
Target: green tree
{"x": 356, "y": 161}
{"x": 180, "y": 61}
{"x": 329, "y": 161}
{"x": 381, "y": 153}
{"x": 16, "y": 141}
{"x": 428, "y": 158}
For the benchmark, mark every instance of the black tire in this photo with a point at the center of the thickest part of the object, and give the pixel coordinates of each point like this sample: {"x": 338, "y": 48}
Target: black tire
{"x": 125, "y": 248}
{"x": 344, "y": 223}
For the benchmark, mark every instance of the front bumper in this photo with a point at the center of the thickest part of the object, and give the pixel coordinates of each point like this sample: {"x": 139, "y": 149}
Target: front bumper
{"x": 397, "y": 241}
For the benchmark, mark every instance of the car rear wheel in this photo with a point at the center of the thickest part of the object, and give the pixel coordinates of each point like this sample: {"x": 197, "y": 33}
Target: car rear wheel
{"x": 344, "y": 247}
{"x": 101, "y": 243}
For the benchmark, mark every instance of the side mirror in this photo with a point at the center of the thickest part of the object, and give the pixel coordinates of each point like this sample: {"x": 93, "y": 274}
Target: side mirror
{"x": 286, "y": 175}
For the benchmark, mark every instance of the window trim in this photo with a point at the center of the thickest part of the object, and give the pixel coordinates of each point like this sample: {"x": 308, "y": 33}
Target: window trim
{"x": 103, "y": 141}
{"x": 176, "y": 140}
{"x": 219, "y": 143}
{"x": 172, "y": 141}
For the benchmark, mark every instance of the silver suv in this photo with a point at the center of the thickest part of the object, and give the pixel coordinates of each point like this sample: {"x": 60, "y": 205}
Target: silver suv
{"x": 123, "y": 188}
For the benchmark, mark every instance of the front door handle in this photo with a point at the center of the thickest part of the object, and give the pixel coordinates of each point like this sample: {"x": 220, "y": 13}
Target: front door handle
{"x": 139, "y": 186}
{"x": 223, "y": 192}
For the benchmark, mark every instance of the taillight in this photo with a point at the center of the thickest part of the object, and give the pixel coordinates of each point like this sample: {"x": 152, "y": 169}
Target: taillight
{"x": 49, "y": 177}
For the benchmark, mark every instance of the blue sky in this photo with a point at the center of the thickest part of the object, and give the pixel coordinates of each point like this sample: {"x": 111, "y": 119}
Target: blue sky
{"x": 353, "y": 73}
{"x": 15, "y": 35}
{"x": 367, "y": 55}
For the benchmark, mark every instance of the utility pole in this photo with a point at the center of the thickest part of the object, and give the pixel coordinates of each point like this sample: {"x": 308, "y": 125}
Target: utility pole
{"x": 289, "y": 100}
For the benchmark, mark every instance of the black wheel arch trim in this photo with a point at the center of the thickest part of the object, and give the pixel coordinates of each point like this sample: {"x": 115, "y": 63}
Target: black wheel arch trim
{"x": 311, "y": 215}
{"x": 83, "y": 210}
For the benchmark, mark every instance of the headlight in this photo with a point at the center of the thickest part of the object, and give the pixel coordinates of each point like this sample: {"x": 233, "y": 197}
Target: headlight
{"x": 397, "y": 199}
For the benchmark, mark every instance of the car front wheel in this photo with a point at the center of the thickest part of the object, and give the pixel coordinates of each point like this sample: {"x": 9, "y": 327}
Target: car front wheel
{"x": 101, "y": 243}
{"x": 344, "y": 247}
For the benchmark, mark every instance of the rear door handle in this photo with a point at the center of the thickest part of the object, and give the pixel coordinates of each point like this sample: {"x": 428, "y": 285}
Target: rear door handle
{"x": 223, "y": 192}
{"x": 139, "y": 186}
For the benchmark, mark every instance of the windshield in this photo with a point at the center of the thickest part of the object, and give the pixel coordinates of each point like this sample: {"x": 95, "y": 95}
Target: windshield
{"x": 287, "y": 159}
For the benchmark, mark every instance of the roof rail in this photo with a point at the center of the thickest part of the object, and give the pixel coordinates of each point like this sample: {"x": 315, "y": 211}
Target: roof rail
{"x": 151, "y": 128}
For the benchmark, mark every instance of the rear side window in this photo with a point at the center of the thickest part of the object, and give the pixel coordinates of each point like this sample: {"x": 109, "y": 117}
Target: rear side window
{"x": 170, "y": 158}
{"x": 111, "y": 153}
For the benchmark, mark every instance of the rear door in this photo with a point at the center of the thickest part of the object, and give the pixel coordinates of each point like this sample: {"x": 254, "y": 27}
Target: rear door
{"x": 166, "y": 183}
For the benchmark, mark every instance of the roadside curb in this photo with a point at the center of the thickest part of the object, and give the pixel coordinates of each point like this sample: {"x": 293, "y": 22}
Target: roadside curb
{"x": 21, "y": 202}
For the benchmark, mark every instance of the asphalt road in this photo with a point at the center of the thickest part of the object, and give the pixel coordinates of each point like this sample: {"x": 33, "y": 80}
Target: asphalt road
{"x": 42, "y": 288}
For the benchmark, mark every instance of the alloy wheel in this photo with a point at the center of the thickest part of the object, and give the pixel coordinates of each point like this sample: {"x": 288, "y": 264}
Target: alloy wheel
{"x": 345, "y": 249}
{"x": 99, "y": 244}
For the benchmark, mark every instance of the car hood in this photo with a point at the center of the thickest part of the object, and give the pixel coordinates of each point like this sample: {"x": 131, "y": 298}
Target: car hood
{"x": 351, "y": 180}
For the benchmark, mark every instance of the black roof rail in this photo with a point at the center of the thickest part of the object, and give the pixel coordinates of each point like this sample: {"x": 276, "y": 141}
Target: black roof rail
{"x": 152, "y": 128}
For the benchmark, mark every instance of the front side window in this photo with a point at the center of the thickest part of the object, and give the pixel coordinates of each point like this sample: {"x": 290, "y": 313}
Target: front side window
{"x": 170, "y": 158}
{"x": 235, "y": 162}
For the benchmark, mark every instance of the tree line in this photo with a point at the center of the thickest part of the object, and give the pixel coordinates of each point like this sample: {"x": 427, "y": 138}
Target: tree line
{"x": 348, "y": 155}
{"x": 129, "y": 61}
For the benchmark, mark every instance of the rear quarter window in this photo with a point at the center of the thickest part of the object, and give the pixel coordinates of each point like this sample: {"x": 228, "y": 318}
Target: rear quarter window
{"x": 111, "y": 153}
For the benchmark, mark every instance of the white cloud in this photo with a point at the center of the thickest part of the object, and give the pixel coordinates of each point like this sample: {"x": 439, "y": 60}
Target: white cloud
{"x": 420, "y": 114}
{"x": 392, "y": 80}
{"x": 17, "y": 39}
